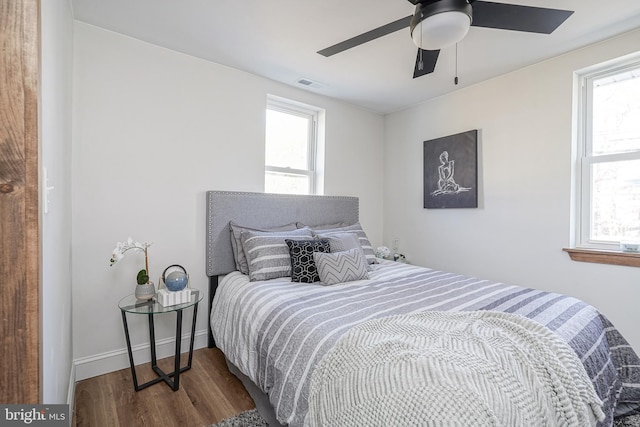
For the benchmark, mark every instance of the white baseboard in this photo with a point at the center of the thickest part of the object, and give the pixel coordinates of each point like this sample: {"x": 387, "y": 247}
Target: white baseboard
{"x": 103, "y": 363}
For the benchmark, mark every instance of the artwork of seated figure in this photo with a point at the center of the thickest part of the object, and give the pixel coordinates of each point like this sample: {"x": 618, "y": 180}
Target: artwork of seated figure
{"x": 446, "y": 182}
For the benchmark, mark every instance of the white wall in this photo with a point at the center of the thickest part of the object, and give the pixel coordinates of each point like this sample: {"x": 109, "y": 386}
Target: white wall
{"x": 55, "y": 140}
{"x": 153, "y": 130}
{"x": 523, "y": 221}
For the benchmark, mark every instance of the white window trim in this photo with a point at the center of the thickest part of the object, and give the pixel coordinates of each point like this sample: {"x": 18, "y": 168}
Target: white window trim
{"x": 583, "y": 143}
{"x": 302, "y": 110}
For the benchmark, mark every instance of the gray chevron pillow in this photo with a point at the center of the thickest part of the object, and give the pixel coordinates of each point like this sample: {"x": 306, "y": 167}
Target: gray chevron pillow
{"x": 341, "y": 267}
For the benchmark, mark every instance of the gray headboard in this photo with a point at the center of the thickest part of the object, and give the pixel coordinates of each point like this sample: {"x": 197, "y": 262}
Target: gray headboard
{"x": 266, "y": 210}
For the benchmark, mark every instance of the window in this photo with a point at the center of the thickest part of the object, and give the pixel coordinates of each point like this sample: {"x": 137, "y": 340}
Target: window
{"x": 608, "y": 156}
{"x": 292, "y": 148}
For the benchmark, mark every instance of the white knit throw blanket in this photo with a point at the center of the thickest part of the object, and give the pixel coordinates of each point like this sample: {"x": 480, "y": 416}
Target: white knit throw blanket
{"x": 480, "y": 368}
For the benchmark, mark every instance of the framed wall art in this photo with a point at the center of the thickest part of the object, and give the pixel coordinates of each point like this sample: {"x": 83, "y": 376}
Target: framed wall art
{"x": 451, "y": 171}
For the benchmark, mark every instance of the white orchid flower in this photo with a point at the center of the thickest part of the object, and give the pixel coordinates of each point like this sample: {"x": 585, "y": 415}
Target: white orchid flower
{"x": 129, "y": 245}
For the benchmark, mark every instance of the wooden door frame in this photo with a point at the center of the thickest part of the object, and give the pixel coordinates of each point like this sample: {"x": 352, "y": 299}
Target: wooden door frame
{"x": 20, "y": 253}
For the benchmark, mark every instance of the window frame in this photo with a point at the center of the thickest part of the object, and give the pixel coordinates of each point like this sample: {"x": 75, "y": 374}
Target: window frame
{"x": 312, "y": 114}
{"x": 584, "y": 143}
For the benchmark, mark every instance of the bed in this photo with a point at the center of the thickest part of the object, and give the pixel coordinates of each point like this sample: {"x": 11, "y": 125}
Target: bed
{"x": 289, "y": 342}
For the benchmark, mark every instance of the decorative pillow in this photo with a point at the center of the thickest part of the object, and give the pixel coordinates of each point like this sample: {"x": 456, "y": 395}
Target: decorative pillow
{"x": 268, "y": 254}
{"x": 303, "y": 267}
{"x": 321, "y": 226}
{"x": 236, "y": 244}
{"x": 341, "y": 267}
{"x": 339, "y": 242}
{"x": 356, "y": 228}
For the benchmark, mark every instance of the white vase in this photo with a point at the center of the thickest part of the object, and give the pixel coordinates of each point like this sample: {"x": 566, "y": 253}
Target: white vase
{"x": 146, "y": 291}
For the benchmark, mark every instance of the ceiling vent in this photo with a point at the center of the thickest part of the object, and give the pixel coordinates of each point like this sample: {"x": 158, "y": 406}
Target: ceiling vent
{"x": 309, "y": 83}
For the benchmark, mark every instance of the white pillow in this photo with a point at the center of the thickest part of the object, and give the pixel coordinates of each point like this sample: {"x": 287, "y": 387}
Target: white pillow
{"x": 341, "y": 267}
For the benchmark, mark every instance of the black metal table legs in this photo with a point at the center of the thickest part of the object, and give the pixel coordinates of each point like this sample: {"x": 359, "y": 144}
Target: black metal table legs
{"x": 174, "y": 383}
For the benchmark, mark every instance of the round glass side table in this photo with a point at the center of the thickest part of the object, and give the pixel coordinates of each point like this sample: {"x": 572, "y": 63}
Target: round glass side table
{"x": 131, "y": 305}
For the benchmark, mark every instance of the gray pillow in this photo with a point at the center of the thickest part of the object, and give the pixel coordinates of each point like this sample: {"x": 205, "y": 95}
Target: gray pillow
{"x": 321, "y": 226}
{"x": 362, "y": 236}
{"x": 236, "y": 244}
{"x": 267, "y": 253}
{"x": 340, "y": 267}
{"x": 339, "y": 242}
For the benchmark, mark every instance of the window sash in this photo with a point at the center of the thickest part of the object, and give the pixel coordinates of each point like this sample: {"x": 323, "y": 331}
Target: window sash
{"x": 289, "y": 171}
{"x": 286, "y": 182}
{"x": 587, "y": 179}
{"x": 312, "y": 136}
{"x": 586, "y": 161}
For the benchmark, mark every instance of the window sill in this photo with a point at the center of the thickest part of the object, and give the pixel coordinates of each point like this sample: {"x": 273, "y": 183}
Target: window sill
{"x": 604, "y": 257}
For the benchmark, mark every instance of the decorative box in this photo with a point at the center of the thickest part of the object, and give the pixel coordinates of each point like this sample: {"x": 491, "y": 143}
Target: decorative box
{"x": 168, "y": 298}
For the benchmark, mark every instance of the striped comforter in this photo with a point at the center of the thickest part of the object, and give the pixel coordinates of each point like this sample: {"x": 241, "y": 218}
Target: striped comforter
{"x": 276, "y": 331}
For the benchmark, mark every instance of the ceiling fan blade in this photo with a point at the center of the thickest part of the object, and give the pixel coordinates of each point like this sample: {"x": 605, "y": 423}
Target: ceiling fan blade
{"x": 518, "y": 18}
{"x": 389, "y": 28}
{"x": 429, "y": 60}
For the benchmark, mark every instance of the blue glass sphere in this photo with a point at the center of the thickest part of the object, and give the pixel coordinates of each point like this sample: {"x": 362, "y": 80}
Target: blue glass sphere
{"x": 176, "y": 280}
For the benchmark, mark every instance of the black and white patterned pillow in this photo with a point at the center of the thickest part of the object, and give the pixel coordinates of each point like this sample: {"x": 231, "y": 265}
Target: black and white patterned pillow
{"x": 303, "y": 267}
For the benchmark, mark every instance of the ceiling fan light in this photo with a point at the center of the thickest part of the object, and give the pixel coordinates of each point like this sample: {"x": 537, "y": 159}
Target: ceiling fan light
{"x": 437, "y": 24}
{"x": 441, "y": 30}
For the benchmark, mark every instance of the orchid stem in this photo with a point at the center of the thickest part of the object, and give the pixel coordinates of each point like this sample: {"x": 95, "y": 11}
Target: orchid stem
{"x": 146, "y": 263}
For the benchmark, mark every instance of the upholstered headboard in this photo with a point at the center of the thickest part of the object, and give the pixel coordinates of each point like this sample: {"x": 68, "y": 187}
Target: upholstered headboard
{"x": 266, "y": 210}
{"x": 263, "y": 210}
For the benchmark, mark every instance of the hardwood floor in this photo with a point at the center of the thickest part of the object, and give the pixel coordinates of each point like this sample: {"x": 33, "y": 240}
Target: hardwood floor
{"x": 208, "y": 394}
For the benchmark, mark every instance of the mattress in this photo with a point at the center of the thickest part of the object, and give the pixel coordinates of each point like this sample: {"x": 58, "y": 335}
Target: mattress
{"x": 277, "y": 331}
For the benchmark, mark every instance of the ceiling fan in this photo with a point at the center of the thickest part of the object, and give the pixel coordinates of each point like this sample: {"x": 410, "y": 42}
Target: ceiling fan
{"x": 437, "y": 24}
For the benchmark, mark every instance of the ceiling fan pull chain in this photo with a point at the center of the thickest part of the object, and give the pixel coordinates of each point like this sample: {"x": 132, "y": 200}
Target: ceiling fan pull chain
{"x": 455, "y": 80}
{"x": 420, "y": 63}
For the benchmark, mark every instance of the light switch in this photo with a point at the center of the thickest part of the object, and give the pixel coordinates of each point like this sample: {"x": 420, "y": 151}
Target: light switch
{"x": 47, "y": 189}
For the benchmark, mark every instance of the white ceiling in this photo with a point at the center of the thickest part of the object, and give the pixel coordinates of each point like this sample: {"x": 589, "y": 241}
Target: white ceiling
{"x": 278, "y": 39}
